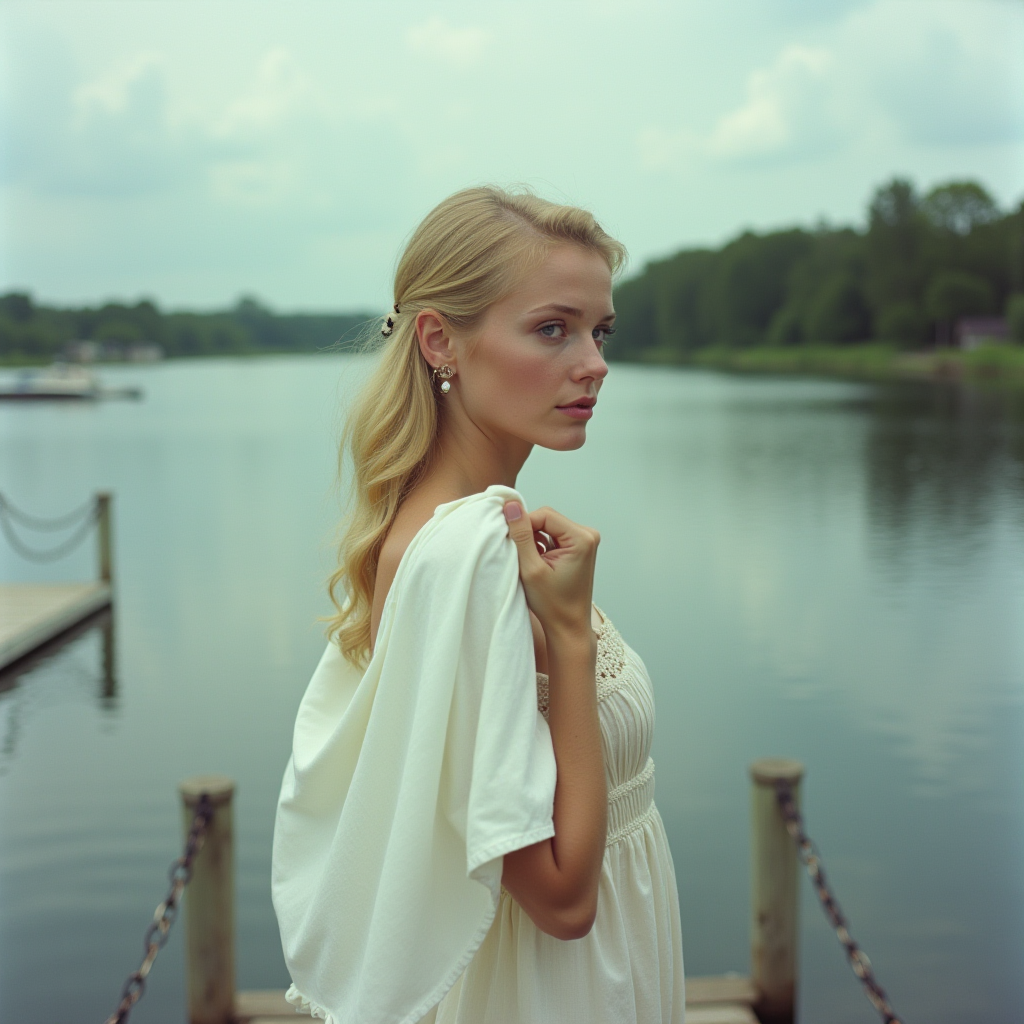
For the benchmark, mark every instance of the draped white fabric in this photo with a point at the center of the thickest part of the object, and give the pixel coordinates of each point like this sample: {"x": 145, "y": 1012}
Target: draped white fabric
{"x": 409, "y": 781}
{"x": 629, "y": 968}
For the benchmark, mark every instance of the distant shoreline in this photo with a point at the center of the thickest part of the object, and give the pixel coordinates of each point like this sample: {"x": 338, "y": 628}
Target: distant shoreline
{"x": 21, "y": 362}
{"x": 993, "y": 364}
{"x": 998, "y": 364}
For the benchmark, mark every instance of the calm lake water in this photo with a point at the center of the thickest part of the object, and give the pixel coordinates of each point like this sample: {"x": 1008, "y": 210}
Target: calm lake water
{"x": 821, "y": 570}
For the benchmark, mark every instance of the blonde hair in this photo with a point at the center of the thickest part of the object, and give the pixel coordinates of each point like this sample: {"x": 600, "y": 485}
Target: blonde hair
{"x": 470, "y": 251}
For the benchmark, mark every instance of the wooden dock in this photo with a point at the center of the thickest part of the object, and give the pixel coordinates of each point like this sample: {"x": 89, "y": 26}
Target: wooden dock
{"x": 35, "y": 614}
{"x": 769, "y": 994}
{"x": 726, "y": 999}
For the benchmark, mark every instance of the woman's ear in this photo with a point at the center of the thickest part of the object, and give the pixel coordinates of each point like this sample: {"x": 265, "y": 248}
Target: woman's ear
{"x": 434, "y": 339}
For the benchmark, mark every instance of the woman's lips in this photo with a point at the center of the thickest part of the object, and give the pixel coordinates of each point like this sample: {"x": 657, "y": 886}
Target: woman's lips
{"x": 577, "y": 412}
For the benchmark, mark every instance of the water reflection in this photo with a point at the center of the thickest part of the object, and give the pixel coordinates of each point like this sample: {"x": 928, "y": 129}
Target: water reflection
{"x": 791, "y": 584}
{"x": 943, "y": 458}
{"x": 80, "y": 662}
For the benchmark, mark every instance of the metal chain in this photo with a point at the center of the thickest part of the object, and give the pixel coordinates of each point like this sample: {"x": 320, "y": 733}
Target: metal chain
{"x": 38, "y": 522}
{"x": 812, "y": 859}
{"x": 166, "y": 912}
{"x": 34, "y": 554}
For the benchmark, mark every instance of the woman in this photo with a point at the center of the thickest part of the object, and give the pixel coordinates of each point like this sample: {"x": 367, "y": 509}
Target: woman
{"x": 466, "y": 832}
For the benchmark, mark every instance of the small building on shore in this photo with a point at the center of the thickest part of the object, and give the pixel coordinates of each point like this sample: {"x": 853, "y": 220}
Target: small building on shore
{"x": 972, "y": 332}
{"x": 113, "y": 352}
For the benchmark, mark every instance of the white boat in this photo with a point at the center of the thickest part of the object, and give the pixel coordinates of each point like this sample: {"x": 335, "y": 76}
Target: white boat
{"x": 60, "y": 382}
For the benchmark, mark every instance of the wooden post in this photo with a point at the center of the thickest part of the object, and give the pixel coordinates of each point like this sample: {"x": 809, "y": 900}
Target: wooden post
{"x": 103, "y": 500}
{"x": 108, "y": 686}
{"x": 210, "y": 906}
{"x": 774, "y": 893}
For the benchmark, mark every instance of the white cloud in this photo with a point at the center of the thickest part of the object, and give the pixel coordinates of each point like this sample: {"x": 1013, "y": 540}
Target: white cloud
{"x": 261, "y": 182}
{"x": 280, "y": 91}
{"x": 786, "y": 114}
{"x": 115, "y": 91}
{"x": 307, "y": 129}
{"x": 435, "y": 38}
{"x": 956, "y": 78}
{"x": 785, "y": 110}
{"x": 883, "y": 75}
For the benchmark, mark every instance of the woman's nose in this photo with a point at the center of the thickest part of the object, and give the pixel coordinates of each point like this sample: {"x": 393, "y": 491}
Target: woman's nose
{"x": 593, "y": 365}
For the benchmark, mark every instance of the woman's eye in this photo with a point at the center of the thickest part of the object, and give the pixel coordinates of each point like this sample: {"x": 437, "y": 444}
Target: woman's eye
{"x": 550, "y": 330}
{"x": 602, "y": 334}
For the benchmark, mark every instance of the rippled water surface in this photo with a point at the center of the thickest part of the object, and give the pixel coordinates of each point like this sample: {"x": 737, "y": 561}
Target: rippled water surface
{"x": 821, "y": 570}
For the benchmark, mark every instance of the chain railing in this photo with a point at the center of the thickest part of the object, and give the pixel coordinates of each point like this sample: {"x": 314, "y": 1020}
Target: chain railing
{"x": 811, "y": 858}
{"x": 165, "y": 914}
{"x": 82, "y": 518}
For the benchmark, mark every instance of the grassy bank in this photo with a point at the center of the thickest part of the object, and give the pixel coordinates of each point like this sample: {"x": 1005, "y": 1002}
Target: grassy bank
{"x": 1001, "y": 364}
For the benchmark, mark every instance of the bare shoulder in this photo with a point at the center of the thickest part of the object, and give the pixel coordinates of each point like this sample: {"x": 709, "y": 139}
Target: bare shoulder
{"x": 411, "y": 517}
{"x": 407, "y": 524}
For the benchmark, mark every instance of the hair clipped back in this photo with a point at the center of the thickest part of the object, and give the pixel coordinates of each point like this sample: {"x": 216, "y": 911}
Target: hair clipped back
{"x": 470, "y": 251}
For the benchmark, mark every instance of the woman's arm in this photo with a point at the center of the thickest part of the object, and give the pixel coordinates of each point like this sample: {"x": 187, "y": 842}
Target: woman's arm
{"x": 556, "y": 881}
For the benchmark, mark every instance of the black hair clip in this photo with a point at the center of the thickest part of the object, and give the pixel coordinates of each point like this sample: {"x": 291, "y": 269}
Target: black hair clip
{"x": 389, "y": 324}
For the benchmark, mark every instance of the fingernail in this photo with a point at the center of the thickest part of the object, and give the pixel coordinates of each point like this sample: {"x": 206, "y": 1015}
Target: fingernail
{"x": 513, "y": 511}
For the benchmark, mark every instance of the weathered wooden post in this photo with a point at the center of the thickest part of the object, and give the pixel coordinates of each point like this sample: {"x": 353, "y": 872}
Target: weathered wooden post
{"x": 210, "y": 906}
{"x": 108, "y": 685}
{"x": 103, "y": 500}
{"x": 774, "y": 893}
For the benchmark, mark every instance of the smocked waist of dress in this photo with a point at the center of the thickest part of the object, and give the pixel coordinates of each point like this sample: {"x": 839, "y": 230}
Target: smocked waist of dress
{"x": 630, "y": 807}
{"x": 631, "y": 804}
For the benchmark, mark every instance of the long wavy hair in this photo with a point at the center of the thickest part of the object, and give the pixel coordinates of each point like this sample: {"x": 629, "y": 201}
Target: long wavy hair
{"x": 470, "y": 251}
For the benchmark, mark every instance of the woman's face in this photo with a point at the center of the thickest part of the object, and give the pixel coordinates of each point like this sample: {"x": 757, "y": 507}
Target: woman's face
{"x": 533, "y": 367}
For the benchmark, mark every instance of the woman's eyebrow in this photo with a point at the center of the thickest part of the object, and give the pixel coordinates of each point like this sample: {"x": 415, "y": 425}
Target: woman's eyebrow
{"x": 567, "y": 310}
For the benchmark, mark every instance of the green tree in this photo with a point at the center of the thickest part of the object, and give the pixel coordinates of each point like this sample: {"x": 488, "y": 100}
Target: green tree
{"x": 902, "y": 323}
{"x": 260, "y": 324}
{"x": 122, "y": 331}
{"x": 636, "y": 309}
{"x": 146, "y": 315}
{"x": 787, "y": 326}
{"x": 839, "y": 313}
{"x": 1015, "y": 317}
{"x": 895, "y": 240}
{"x": 683, "y": 314}
{"x": 17, "y": 306}
{"x": 952, "y": 294}
{"x": 750, "y": 284}
{"x": 959, "y": 207}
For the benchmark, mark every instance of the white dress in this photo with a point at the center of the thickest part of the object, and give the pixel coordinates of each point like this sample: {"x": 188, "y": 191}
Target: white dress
{"x": 629, "y": 968}
{"x": 412, "y": 777}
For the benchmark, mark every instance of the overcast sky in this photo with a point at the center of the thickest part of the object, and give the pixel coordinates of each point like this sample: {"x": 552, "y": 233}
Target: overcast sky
{"x": 194, "y": 151}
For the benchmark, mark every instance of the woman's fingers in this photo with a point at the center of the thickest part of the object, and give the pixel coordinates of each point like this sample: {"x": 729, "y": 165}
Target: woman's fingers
{"x": 545, "y": 542}
{"x": 520, "y": 529}
{"x": 565, "y": 532}
{"x": 558, "y": 580}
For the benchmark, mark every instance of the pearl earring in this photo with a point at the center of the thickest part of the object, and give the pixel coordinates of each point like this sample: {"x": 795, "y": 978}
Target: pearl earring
{"x": 445, "y": 372}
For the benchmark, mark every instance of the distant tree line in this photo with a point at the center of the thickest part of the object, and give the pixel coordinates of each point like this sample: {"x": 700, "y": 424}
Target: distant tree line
{"x": 31, "y": 332}
{"x": 921, "y": 263}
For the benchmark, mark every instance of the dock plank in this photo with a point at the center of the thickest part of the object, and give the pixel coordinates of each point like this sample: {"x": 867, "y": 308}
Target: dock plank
{"x": 260, "y": 1003}
{"x": 32, "y": 614}
{"x": 720, "y": 988}
{"x": 724, "y": 1013}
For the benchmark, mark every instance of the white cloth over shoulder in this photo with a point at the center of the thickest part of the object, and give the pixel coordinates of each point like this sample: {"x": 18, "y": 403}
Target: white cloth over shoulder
{"x": 409, "y": 781}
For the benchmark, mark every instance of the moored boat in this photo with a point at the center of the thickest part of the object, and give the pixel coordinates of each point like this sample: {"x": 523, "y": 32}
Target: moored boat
{"x": 60, "y": 382}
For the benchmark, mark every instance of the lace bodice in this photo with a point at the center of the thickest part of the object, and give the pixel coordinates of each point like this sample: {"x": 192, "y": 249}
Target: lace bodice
{"x": 626, "y": 712}
{"x": 632, "y": 959}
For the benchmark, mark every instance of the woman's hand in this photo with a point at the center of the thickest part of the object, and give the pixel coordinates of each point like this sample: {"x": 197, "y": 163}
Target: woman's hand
{"x": 559, "y": 584}
{"x": 556, "y": 880}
